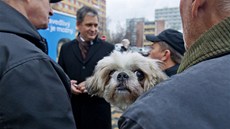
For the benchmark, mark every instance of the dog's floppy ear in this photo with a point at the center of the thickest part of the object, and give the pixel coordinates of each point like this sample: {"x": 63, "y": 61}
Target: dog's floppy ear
{"x": 159, "y": 74}
{"x": 95, "y": 84}
{"x": 156, "y": 75}
{"x": 92, "y": 88}
{"x": 160, "y": 63}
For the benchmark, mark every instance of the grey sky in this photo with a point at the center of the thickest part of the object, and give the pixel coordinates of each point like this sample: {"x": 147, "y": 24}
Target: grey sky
{"x": 120, "y": 10}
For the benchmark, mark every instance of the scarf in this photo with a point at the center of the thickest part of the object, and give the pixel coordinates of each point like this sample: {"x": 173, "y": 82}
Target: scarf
{"x": 213, "y": 43}
{"x": 84, "y": 46}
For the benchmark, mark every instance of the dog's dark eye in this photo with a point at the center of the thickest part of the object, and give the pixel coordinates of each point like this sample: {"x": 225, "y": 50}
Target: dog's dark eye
{"x": 140, "y": 75}
{"x": 111, "y": 72}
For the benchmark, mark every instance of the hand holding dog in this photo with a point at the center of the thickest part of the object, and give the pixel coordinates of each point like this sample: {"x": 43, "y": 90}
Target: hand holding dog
{"x": 77, "y": 89}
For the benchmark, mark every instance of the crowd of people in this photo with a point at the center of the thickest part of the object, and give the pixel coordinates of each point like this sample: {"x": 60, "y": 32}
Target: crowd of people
{"x": 38, "y": 93}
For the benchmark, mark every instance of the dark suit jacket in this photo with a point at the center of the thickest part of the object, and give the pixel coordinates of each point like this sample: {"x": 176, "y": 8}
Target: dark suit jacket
{"x": 89, "y": 112}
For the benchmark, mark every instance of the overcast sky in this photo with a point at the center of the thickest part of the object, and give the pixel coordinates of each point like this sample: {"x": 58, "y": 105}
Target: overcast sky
{"x": 120, "y": 10}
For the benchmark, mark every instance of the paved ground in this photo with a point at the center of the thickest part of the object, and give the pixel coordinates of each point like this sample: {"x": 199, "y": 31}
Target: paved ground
{"x": 116, "y": 113}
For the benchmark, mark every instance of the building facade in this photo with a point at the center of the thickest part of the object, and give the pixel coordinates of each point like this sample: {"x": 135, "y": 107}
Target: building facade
{"x": 171, "y": 17}
{"x": 149, "y": 29}
{"x": 135, "y": 31}
{"x": 71, "y": 6}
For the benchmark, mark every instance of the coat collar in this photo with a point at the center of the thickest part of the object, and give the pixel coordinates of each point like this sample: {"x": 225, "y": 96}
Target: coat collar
{"x": 92, "y": 51}
{"x": 213, "y": 43}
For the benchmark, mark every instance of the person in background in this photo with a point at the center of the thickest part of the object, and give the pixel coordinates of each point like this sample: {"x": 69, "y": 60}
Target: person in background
{"x": 33, "y": 88}
{"x": 125, "y": 45}
{"x": 197, "y": 97}
{"x": 59, "y": 44}
{"x": 78, "y": 58}
{"x": 168, "y": 47}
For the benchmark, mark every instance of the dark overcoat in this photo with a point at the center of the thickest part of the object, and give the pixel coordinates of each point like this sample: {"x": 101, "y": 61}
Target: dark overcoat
{"x": 89, "y": 112}
{"x": 33, "y": 88}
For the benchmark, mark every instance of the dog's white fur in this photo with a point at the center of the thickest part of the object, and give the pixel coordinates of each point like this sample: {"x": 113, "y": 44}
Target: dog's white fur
{"x": 118, "y": 78}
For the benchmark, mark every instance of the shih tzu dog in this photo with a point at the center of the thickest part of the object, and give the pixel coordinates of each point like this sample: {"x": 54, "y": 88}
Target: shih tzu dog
{"x": 121, "y": 77}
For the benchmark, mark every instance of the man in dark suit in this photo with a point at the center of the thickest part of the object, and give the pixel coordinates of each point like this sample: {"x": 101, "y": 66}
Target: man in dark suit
{"x": 78, "y": 58}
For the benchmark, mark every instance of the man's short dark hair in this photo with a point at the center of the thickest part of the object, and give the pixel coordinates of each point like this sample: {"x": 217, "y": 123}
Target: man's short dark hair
{"x": 85, "y": 10}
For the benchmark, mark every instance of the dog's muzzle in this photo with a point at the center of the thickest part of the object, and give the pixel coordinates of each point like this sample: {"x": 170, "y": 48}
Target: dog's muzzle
{"x": 122, "y": 78}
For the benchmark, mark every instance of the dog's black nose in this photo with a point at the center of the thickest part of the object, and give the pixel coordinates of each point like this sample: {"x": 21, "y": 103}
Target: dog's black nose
{"x": 122, "y": 76}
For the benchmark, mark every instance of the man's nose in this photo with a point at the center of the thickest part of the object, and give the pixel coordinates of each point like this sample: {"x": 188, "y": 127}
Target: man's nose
{"x": 51, "y": 12}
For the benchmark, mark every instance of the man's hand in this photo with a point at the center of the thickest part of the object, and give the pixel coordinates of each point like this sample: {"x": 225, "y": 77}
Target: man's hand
{"x": 77, "y": 89}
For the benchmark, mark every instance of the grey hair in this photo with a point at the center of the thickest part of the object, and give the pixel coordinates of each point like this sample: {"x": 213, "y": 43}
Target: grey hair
{"x": 85, "y": 10}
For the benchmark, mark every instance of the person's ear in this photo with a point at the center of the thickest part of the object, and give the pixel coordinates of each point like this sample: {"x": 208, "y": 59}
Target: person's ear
{"x": 78, "y": 24}
{"x": 197, "y": 5}
{"x": 166, "y": 55}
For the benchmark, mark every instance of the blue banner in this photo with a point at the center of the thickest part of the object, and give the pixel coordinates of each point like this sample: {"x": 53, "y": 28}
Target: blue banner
{"x": 62, "y": 28}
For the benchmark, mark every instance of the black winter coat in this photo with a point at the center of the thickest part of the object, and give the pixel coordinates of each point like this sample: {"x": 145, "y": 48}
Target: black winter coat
{"x": 33, "y": 88}
{"x": 89, "y": 112}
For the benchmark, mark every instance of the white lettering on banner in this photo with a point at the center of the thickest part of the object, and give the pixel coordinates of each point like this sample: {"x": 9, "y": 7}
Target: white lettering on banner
{"x": 60, "y": 26}
{"x": 59, "y": 22}
{"x": 64, "y": 30}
